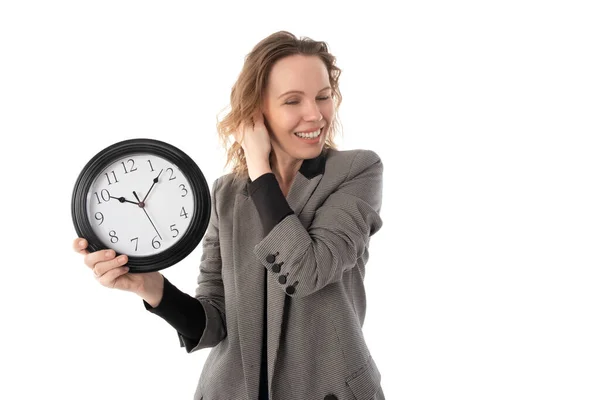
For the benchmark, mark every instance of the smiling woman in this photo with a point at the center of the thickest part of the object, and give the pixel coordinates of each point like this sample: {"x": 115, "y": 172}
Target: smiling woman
{"x": 280, "y": 296}
{"x": 299, "y": 93}
{"x": 301, "y": 113}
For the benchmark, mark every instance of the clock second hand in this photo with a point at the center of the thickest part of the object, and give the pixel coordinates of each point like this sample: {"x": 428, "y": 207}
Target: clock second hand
{"x": 144, "y": 209}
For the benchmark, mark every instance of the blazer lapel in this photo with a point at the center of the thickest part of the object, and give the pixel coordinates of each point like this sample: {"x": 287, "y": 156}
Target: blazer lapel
{"x": 299, "y": 193}
{"x": 249, "y": 272}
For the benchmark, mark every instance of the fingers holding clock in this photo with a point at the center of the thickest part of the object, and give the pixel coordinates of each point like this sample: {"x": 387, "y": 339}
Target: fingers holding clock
{"x": 115, "y": 269}
{"x": 80, "y": 245}
{"x": 102, "y": 261}
{"x": 109, "y": 263}
{"x": 110, "y": 271}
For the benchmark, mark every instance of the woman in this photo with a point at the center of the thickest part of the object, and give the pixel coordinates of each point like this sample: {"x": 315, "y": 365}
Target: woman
{"x": 280, "y": 295}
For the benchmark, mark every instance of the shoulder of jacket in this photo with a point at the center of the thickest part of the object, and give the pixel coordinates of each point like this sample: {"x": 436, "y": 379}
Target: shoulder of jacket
{"x": 228, "y": 183}
{"x": 353, "y": 154}
{"x": 355, "y": 159}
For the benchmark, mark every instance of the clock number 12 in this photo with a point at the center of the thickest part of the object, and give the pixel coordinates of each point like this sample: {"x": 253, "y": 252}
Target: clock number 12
{"x": 131, "y": 169}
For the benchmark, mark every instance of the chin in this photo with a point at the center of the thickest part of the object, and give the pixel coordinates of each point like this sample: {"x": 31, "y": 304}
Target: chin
{"x": 310, "y": 153}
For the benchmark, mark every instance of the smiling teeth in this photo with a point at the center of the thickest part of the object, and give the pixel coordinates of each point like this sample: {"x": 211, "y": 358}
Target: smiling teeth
{"x": 309, "y": 135}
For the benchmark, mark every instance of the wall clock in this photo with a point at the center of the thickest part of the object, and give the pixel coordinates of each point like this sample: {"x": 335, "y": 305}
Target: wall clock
{"x": 144, "y": 198}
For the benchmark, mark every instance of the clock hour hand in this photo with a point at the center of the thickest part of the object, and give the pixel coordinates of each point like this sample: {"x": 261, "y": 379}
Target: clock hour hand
{"x": 123, "y": 200}
{"x": 153, "y": 183}
{"x": 138, "y": 199}
{"x": 142, "y": 206}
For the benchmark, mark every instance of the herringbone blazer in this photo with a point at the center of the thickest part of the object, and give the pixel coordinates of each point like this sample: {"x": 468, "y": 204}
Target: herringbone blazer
{"x": 315, "y": 345}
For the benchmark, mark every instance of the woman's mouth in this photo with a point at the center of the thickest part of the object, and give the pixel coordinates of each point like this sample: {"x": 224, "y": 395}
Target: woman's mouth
{"x": 309, "y": 136}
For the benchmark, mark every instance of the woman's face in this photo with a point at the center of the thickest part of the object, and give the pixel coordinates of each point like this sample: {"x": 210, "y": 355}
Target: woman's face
{"x": 298, "y": 99}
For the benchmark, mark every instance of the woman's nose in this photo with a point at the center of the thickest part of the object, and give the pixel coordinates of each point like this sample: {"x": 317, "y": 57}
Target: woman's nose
{"x": 313, "y": 113}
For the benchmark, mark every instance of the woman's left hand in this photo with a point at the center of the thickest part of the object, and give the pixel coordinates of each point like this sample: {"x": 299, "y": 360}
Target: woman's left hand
{"x": 256, "y": 142}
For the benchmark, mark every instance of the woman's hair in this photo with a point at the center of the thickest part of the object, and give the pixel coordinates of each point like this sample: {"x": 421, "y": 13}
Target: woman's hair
{"x": 247, "y": 92}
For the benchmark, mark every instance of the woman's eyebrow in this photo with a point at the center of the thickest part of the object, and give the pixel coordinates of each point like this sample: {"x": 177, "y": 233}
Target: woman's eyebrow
{"x": 301, "y": 92}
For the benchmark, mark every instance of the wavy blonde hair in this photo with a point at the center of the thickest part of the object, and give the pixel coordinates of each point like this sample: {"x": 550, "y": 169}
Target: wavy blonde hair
{"x": 247, "y": 92}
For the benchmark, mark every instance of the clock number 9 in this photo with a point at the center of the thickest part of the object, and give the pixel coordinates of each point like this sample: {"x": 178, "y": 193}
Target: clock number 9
{"x": 101, "y": 219}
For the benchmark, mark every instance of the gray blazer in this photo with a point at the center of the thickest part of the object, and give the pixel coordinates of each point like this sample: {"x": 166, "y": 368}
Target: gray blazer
{"x": 315, "y": 345}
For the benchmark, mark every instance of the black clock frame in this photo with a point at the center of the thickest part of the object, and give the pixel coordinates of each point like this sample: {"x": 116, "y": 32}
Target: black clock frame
{"x": 200, "y": 189}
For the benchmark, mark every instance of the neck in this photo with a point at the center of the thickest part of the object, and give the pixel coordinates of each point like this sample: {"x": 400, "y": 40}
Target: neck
{"x": 284, "y": 167}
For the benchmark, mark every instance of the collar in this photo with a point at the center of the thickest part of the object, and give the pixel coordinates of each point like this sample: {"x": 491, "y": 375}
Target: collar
{"x": 314, "y": 166}
{"x": 310, "y": 167}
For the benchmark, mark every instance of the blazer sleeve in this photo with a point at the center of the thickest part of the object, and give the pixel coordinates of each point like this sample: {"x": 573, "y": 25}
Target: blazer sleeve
{"x": 210, "y": 291}
{"x": 307, "y": 260}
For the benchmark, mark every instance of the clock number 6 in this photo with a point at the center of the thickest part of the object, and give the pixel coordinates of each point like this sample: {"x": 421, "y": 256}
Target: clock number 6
{"x": 155, "y": 241}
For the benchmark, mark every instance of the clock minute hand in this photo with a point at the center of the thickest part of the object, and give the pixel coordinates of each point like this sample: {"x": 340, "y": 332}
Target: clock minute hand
{"x": 142, "y": 206}
{"x": 154, "y": 181}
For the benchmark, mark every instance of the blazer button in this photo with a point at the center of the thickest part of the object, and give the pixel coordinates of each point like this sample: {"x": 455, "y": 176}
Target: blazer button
{"x": 330, "y": 397}
{"x": 290, "y": 290}
{"x": 276, "y": 268}
{"x": 282, "y": 279}
{"x": 271, "y": 257}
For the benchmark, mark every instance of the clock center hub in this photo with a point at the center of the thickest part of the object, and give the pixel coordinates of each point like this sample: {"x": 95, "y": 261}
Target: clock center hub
{"x": 141, "y": 204}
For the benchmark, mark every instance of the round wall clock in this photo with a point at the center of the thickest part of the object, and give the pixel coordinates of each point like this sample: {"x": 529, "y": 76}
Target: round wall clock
{"x": 143, "y": 198}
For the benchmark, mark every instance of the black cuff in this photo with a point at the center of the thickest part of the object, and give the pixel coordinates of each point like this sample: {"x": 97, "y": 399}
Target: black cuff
{"x": 182, "y": 311}
{"x": 269, "y": 201}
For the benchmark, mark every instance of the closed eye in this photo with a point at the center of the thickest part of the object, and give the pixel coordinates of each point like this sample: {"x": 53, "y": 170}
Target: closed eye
{"x": 296, "y": 102}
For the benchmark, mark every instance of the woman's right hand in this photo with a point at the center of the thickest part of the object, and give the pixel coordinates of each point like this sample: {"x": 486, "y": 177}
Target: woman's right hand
{"x": 112, "y": 272}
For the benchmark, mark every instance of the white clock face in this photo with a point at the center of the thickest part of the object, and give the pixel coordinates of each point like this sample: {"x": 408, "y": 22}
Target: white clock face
{"x": 133, "y": 214}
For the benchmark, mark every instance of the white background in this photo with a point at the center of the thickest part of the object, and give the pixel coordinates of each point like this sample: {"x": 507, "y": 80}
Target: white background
{"x": 484, "y": 280}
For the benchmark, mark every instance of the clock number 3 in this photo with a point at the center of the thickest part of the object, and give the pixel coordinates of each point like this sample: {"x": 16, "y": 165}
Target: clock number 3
{"x": 182, "y": 186}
